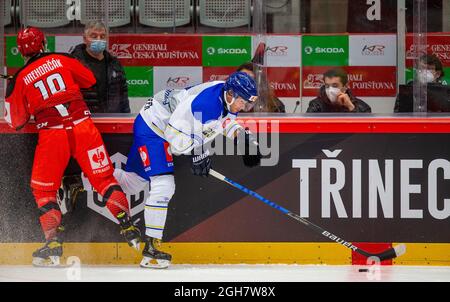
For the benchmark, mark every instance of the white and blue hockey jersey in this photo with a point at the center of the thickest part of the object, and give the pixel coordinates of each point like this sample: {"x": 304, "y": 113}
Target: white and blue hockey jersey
{"x": 191, "y": 117}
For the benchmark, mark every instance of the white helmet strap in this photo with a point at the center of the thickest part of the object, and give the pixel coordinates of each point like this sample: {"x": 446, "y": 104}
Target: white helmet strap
{"x": 226, "y": 102}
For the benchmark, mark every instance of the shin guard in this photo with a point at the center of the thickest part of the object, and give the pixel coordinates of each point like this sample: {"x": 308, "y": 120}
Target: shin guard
{"x": 50, "y": 217}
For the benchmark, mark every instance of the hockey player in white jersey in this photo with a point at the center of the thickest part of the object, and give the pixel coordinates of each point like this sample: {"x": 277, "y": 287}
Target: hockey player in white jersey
{"x": 182, "y": 122}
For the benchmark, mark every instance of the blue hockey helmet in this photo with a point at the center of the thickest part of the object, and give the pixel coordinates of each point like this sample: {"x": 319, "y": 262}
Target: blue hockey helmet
{"x": 242, "y": 85}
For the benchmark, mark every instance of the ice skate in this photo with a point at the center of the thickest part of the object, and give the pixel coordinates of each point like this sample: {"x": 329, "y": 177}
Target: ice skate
{"x": 154, "y": 258}
{"x": 129, "y": 231}
{"x": 49, "y": 255}
{"x": 71, "y": 187}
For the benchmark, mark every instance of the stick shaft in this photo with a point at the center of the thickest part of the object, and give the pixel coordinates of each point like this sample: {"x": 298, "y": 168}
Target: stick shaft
{"x": 388, "y": 254}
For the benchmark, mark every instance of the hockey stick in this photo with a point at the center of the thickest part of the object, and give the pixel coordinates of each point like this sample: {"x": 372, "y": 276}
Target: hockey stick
{"x": 258, "y": 57}
{"x": 386, "y": 255}
{"x": 5, "y": 76}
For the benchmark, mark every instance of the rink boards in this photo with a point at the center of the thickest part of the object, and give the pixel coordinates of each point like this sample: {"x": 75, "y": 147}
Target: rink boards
{"x": 373, "y": 181}
{"x": 433, "y": 254}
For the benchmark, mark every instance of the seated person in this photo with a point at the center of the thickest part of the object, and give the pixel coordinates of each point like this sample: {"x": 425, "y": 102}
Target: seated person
{"x": 335, "y": 96}
{"x": 430, "y": 72}
{"x": 438, "y": 98}
{"x": 273, "y": 104}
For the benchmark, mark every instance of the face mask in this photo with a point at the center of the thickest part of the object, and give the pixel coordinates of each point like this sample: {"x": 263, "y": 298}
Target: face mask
{"x": 98, "y": 46}
{"x": 332, "y": 93}
{"x": 425, "y": 76}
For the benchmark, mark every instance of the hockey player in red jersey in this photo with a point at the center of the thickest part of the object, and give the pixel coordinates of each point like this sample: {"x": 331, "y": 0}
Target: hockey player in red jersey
{"x": 48, "y": 88}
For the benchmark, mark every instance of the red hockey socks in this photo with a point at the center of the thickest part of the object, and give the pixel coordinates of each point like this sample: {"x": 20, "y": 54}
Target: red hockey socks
{"x": 116, "y": 201}
{"x": 50, "y": 218}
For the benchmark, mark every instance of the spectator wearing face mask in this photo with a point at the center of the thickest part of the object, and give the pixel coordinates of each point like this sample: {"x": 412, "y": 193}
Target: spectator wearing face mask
{"x": 429, "y": 71}
{"x": 111, "y": 91}
{"x": 335, "y": 96}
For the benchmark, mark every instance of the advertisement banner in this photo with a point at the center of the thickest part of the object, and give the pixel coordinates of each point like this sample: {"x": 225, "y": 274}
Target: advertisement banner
{"x": 226, "y": 50}
{"x": 176, "y": 77}
{"x": 372, "y": 80}
{"x": 13, "y": 57}
{"x": 365, "y": 187}
{"x": 139, "y": 80}
{"x": 436, "y": 44}
{"x": 67, "y": 43}
{"x": 362, "y": 80}
{"x": 312, "y": 78}
{"x": 325, "y": 50}
{"x": 375, "y": 50}
{"x": 217, "y": 73}
{"x": 284, "y": 81}
{"x": 155, "y": 50}
{"x": 281, "y": 51}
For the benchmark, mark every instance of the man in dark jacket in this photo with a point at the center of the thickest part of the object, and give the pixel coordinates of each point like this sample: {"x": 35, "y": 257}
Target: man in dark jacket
{"x": 335, "y": 96}
{"x": 111, "y": 92}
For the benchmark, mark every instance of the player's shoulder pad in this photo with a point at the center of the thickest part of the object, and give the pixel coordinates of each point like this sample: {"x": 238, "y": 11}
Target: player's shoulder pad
{"x": 208, "y": 103}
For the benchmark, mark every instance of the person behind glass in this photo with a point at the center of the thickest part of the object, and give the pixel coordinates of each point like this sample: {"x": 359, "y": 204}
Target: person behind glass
{"x": 111, "y": 92}
{"x": 335, "y": 96}
{"x": 274, "y": 104}
{"x": 430, "y": 71}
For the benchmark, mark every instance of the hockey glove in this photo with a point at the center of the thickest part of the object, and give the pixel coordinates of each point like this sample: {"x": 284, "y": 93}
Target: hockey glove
{"x": 201, "y": 164}
{"x": 249, "y": 147}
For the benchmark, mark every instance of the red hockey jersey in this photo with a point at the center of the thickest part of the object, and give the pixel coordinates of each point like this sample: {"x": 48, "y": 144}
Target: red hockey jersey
{"x": 47, "y": 80}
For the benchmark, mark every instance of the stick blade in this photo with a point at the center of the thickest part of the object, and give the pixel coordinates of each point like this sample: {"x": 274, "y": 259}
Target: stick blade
{"x": 400, "y": 249}
{"x": 392, "y": 253}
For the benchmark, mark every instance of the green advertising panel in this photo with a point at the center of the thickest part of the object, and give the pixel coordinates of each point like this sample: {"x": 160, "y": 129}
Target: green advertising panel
{"x": 13, "y": 57}
{"x": 409, "y": 74}
{"x": 140, "y": 81}
{"x": 226, "y": 51}
{"x": 445, "y": 79}
{"x": 325, "y": 50}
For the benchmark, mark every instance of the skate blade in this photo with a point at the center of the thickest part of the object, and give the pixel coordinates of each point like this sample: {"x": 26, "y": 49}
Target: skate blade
{"x": 148, "y": 262}
{"x": 51, "y": 261}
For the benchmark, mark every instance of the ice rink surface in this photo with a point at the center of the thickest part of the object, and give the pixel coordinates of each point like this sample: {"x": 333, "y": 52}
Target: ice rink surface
{"x": 228, "y": 273}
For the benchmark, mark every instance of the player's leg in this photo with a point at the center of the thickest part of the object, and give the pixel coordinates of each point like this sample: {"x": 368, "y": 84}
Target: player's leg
{"x": 48, "y": 167}
{"x": 72, "y": 186}
{"x": 150, "y": 158}
{"x": 94, "y": 161}
{"x": 130, "y": 182}
{"x": 162, "y": 188}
